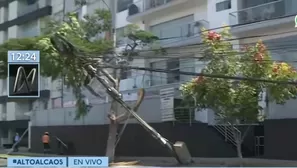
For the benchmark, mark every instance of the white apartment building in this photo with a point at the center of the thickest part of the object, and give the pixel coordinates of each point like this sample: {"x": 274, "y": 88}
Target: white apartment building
{"x": 269, "y": 20}
{"x": 20, "y": 19}
{"x": 178, "y": 23}
{"x": 184, "y": 18}
{"x": 24, "y": 18}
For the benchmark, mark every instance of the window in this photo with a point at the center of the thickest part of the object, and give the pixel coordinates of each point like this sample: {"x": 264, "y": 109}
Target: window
{"x": 223, "y": 5}
{"x": 188, "y": 65}
{"x": 56, "y": 102}
{"x": 126, "y": 73}
{"x": 31, "y": 2}
{"x": 172, "y": 29}
{"x": 120, "y": 32}
{"x": 158, "y": 78}
{"x": 31, "y": 106}
{"x": 173, "y": 64}
{"x": 123, "y": 4}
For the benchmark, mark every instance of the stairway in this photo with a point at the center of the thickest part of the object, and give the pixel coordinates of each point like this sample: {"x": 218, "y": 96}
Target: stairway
{"x": 229, "y": 132}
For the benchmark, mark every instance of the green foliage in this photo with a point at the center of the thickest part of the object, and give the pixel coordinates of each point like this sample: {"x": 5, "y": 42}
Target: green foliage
{"x": 77, "y": 32}
{"x": 238, "y": 100}
{"x": 134, "y": 33}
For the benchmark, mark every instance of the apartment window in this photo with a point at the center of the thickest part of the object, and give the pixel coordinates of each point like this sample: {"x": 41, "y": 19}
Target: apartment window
{"x": 31, "y": 2}
{"x": 4, "y": 85}
{"x": 126, "y": 73}
{"x": 31, "y": 106}
{"x": 174, "y": 28}
{"x": 223, "y": 5}
{"x": 123, "y": 4}
{"x": 173, "y": 65}
{"x": 45, "y": 105}
{"x": 158, "y": 78}
{"x": 56, "y": 102}
{"x": 188, "y": 65}
{"x": 120, "y": 32}
{"x": 30, "y": 29}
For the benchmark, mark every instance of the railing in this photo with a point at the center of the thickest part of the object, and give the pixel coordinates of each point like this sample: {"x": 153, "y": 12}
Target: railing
{"x": 61, "y": 142}
{"x": 263, "y": 12}
{"x": 24, "y": 9}
{"x": 230, "y": 132}
{"x": 149, "y": 4}
{"x": 62, "y": 147}
{"x": 181, "y": 32}
{"x": 145, "y": 5}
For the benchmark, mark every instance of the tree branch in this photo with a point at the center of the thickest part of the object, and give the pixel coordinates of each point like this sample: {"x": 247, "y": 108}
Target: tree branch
{"x": 245, "y": 133}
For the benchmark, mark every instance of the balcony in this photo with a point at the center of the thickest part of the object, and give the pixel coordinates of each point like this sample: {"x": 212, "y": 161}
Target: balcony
{"x": 25, "y": 9}
{"x": 182, "y": 35}
{"x": 247, "y": 19}
{"x": 142, "y": 8}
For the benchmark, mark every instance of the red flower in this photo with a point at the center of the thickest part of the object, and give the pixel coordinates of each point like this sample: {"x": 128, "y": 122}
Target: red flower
{"x": 293, "y": 70}
{"x": 214, "y": 36}
{"x": 199, "y": 79}
{"x": 275, "y": 69}
{"x": 258, "y": 57}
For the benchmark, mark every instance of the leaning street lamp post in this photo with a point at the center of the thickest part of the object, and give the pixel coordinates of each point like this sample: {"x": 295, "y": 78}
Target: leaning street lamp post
{"x": 93, "y": 70}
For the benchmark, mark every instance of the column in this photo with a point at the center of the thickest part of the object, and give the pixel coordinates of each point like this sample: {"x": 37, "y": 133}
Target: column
{"x": 29, "y": 134}
{"x": 13, "y": 32}
{"x": 2, "y": 14}
{"x": 13, "y": 10}
{"x": 11, "y": 111}
{"x": 11, "y": 134}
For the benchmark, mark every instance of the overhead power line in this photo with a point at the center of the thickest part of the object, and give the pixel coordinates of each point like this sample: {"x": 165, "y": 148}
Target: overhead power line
{"x": 200, "y": 74}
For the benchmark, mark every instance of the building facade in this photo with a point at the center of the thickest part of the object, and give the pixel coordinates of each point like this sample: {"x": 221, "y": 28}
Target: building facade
{"x": 19, "y": 19}
{"x": 177, "y": 23}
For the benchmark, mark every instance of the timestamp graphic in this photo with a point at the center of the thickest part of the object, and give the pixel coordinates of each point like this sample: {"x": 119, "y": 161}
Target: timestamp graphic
{"x": 23, "y": 73}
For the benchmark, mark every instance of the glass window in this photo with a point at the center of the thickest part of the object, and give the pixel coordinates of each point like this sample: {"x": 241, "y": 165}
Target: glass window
{"x": 173, "y": 28}
{"x": 223, "y": 5}
{"x": 123, "y": 4}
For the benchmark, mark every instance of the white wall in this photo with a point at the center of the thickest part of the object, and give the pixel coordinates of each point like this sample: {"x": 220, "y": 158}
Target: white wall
{"x": 12, "y": 14}
{"x": 218, "y": 19}
{"x": 199, "y": 12}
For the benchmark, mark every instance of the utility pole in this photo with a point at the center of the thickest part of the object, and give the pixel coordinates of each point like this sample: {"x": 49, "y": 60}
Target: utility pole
{"x": 113, "y": 126}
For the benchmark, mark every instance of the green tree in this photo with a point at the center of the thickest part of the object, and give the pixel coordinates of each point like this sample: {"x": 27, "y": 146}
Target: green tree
{"x": 78, "y": 33}
{"x": 238, "y": 101}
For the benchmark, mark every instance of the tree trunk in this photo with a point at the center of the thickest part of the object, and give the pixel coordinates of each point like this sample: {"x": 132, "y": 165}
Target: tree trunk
{"x": 238, "y": 148}
{"x": 111, "y": 140}
{"x": 113, "y": 129}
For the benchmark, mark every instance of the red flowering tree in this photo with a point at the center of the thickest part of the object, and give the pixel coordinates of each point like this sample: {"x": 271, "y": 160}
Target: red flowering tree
{"x": 238, "y": 101}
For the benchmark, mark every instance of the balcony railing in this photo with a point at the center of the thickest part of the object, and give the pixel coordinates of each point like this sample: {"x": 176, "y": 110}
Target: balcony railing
{"x": 24, "y": 9}
{"x": 149, "y": 4}
{"x": 145, "y": 5}
{"x": 267, "y": 11}
{"x": 172, "y": 34}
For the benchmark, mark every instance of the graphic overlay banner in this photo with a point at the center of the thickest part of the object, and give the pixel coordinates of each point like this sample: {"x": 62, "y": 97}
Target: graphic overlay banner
{"x": 23, "y": 80}
{"x": 57, "y": 162}
{"x": 88, "y": 161}
{"x": 37, "y": 161}
{"x": 23, "y": 74}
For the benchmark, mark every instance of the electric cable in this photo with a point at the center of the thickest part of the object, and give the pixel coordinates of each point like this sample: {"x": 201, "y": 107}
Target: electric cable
{"x": 201, "y": 74}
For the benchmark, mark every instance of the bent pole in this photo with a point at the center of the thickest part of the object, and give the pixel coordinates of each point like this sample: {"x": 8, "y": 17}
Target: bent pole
{"x": 117, "y": 97}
